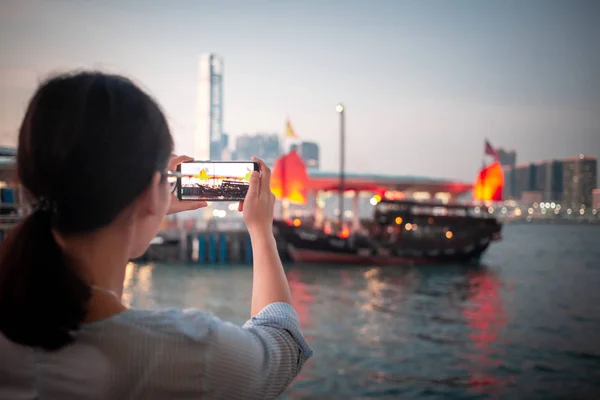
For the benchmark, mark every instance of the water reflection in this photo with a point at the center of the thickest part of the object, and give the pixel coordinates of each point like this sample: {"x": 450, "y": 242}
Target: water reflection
{"x": 138, "y": 285}
{"x": 383, "y": 332}
{"x": 128, "y": 293}
{"x": 387, "y": 327}
{"x": 428, "y": 331}
{"x": 375, "y": 307}
{"x": 302, "y": 300}
{"x": 486, "y": 317}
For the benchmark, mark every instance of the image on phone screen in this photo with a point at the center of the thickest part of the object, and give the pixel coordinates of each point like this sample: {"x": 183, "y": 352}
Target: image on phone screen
{"x": 215, "y": 181}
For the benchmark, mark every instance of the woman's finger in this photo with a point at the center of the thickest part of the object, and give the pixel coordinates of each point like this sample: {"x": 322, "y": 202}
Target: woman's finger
{"x": 176, "y": 160}
{"x": 254, "y": 188}
{"x": 265, "y": 179}
{"x": 179, "y": 206}
{"x": 241, "y": 206}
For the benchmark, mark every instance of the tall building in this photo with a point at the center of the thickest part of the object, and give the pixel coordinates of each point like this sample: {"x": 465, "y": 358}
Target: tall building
{"x": 570, "y": 181}
{"x": 262, "y": 145}
{"x": 224, "y": 140}
{"x": 309, "y": 151}
{"x": 507, "y": 158}
{"x": 208, "y": 144}
{"x": 549, "y": 180}
{"x": 556, "y": 187}
{"x": 579, "y": 180}
{"x": 508, "y": 192}
{"x": 541, "y": 179}
{"x": 523, "y": 180}
{"x": 596, "y": 199}
{"x": 226, "y": 153}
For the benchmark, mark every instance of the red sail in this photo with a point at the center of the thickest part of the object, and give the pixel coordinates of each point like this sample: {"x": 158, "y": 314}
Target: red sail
{"x": 490, "y": 183}
{"x": 289, "y": 178}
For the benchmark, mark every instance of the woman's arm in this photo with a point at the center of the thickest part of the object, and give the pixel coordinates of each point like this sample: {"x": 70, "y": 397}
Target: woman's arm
{"x": 261, "y": 359}
{"x": 257, "y": 361}
{"x": 270, "y": 284}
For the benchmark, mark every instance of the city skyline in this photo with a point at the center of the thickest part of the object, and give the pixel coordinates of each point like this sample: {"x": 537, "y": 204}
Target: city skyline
{"x": 423, "y": 83}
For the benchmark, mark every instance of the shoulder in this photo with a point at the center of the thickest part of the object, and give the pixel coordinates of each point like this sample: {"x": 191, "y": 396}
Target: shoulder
{"x": 193, "y": 324}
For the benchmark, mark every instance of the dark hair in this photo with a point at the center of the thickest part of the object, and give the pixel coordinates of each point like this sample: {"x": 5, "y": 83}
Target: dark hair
{"x": 89, "y": 144}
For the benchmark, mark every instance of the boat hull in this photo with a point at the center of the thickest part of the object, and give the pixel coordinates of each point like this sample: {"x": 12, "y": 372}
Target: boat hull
{"x": 308, "y": 246}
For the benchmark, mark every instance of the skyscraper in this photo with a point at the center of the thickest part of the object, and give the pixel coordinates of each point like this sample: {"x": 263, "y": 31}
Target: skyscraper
{"x": 262, "y": 145}
{"x": 579, "y": 180}
{"x": 208, "y": 144}
{"x": 309, "y": 151}
{"x": 508, "y": 160}
{"x": 596, "y": 199}
{"x": 556, "y": 181}
{"x": 509, "y": 183}
{"x": 524, "y": 178}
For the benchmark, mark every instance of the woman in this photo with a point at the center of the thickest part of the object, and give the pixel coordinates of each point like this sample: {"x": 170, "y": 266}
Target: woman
{"x": 94, "y": 155}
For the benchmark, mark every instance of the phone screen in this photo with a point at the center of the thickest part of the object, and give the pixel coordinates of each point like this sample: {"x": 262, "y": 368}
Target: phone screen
{"x": 215, "y": 180}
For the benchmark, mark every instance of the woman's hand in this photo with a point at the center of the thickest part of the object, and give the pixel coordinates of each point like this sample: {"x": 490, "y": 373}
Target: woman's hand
{"x": 176, "y": 204}
{"x": 259, "y": 202}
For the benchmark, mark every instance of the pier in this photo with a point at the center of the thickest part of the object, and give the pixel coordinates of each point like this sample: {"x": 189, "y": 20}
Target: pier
{"x": 214, "y": 247}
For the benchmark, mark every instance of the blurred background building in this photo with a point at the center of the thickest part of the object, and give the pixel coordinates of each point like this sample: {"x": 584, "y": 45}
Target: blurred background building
{"x": 265, "y": 146}
{"x": 208, "y": 142}
{"x": 579, "y": 180}
{"x": 508, "y": 160}
{"x": 309, "y": 151}
{"x": 568, "y": 181}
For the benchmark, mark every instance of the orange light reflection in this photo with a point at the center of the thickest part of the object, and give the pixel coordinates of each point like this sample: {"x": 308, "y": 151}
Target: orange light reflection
{"x": 486, "y": 317}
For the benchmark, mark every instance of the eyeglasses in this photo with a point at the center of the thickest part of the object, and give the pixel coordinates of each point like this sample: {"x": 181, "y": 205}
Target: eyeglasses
{"x": 172, "y": 178}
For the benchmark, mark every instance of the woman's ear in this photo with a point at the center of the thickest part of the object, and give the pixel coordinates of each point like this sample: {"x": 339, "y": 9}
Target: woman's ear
{"x": 149, "y": 200}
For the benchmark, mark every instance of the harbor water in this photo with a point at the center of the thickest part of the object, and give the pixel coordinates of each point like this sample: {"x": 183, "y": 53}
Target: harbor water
{"x": 525, "y": 324}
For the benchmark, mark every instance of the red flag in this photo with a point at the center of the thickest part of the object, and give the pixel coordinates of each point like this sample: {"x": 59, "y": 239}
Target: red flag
{"x": 489, "y": 150}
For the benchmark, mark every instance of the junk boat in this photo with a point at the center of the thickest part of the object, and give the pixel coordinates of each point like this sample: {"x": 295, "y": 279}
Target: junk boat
{"x": 401, "y": 232}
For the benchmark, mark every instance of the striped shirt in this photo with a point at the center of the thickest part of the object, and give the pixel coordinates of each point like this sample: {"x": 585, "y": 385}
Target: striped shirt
{"x": 170, "y": 354}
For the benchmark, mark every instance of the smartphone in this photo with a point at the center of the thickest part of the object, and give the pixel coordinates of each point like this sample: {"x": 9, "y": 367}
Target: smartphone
{"x": 214, "y": 180}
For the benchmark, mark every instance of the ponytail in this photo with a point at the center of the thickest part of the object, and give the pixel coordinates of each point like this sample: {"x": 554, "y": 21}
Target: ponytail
{"x": 42, "y": 299}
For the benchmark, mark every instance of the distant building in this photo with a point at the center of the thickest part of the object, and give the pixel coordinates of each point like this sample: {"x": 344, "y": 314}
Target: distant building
{"x": 262, "y": 145}
{"x": 556, "y": 186}
{"x": 567, "y": 181}
{"x": 596, "y": 199}
{"x": 532, "y": 197}
{"x": 208, "y": 142}
{"x": 309, "y": 151}
{"x": 225, "y": 140}
{"x": 579, "y": 180}
{"x": 524, "y": 179}
{"x": 549, "y": 180}
{"x": 509, "y": 183}
{"x": 226, "y": 153}
{"x": 542, "y": 173}
{"x": 507, "y": 158}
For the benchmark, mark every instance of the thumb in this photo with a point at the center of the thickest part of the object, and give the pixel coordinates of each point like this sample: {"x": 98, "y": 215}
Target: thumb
{"x": 254, "y": 188}
{"x": 192, "y": 205}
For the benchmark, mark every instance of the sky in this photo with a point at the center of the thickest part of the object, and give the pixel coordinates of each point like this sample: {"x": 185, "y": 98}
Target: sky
{"x": 423, "y": 82}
